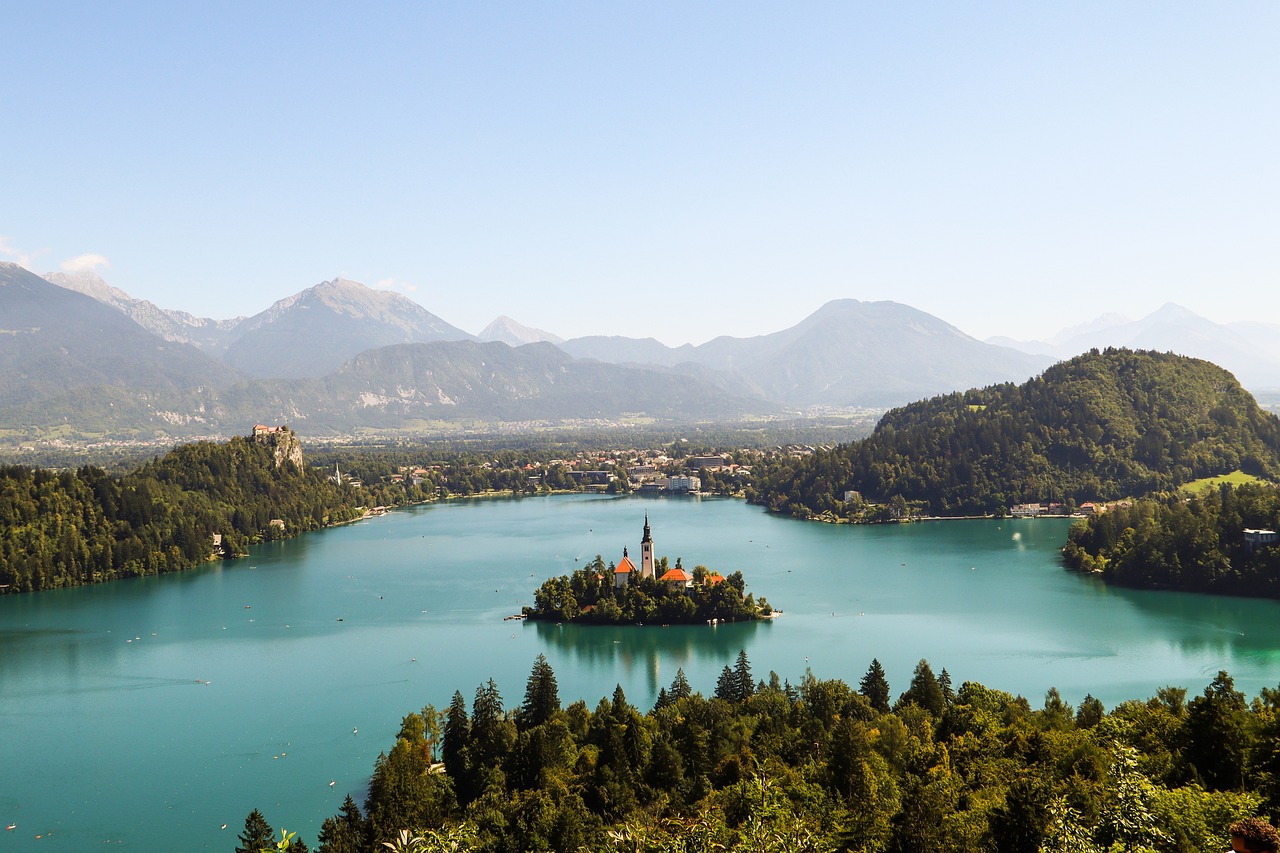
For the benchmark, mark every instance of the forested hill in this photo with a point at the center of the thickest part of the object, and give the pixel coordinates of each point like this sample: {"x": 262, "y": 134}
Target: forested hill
{"x": 75, "y": 527}
{"x": 1100, "y": 426}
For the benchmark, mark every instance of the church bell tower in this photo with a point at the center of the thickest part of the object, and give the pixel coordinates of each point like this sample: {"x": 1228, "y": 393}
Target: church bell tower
{"x": 646, "y": 551}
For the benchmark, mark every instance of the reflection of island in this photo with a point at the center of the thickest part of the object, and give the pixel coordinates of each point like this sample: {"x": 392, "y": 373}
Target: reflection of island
{"x": 656, "y": 653}
{"x": 653, "y": 594}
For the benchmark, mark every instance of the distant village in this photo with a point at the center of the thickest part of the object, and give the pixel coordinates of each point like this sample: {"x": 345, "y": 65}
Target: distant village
{"x": 616, "y": 471}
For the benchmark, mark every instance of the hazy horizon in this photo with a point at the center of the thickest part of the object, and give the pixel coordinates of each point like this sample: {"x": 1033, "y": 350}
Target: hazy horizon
{"x": 655, "y": 171}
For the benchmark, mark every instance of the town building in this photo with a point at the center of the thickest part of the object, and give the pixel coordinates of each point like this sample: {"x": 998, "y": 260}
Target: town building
{"x": 684, "y": 485}
{"x": 1255, "y": 539}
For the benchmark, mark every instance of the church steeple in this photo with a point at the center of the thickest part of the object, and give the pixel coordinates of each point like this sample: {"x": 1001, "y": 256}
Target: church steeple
{"x": 646, "y": 551}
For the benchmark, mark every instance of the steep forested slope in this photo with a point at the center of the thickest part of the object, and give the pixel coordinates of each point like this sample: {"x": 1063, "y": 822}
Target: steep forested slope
{"x": 1102, "y": 425}
{"x": 74, "y": 527}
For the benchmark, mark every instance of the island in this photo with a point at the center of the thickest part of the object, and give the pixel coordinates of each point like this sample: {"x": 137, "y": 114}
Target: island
{"x": 652, "y": 593}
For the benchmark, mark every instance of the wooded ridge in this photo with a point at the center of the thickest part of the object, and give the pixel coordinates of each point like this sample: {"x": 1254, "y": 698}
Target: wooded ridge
{"x": 1101, "y": 426}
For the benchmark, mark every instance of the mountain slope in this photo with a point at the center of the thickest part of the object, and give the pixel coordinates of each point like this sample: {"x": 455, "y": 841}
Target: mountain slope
{"x": 867, "y": 353}
{"x": 1251, "y": 351}
{"x": 409, "y": 387}
{"x": 617, "y": 349}
{"x": 211, "y": 336}
{"x": 846, "y": 353}
{"x": 316, "y": 331}
{"x": 515, "y": 334}
{"x": 537, "y": 381}
{"x": 1100, "y": 426}
{"x": 54, "y": 340}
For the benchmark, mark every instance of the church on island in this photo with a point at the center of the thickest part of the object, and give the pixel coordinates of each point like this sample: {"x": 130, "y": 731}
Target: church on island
{"x": 649, "y": 593}
{"x": 626, "y": 572}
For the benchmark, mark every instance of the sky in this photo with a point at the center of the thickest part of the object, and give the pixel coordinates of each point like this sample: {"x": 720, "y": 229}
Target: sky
{"x": 675, "y": 170}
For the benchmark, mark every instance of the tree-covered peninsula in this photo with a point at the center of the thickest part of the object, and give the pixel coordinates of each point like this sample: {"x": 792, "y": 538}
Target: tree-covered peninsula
{"x": 1101, "y": 426}
{"x": 1220, "y": 540}
{"x": 766, "y": 766}
{"x": 199, "y": 501}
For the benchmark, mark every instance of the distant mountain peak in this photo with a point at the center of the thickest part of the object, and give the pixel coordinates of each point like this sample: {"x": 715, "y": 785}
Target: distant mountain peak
{"x": 516, "y": 334}
{"x": 1095, "y": 326}
{"x": 179, "y": 326}
{"x": 316, "y": 330}
{"x": 89, "y": 283}
{"x": 1172, "y": 312}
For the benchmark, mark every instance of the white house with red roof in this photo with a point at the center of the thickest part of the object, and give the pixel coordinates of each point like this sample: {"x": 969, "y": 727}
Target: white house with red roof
{"x": 623, "y": 571}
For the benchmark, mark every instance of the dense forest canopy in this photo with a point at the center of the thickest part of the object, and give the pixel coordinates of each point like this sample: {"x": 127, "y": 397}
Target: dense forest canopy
{"x": 1196, "y": 543}
{"x": 765, "y": 765}
{"x": 85, "y": 526}
{"x": 1101, "y": 426}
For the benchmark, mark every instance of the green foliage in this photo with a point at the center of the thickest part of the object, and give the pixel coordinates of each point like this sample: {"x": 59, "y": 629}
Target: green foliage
{"x": 1195, "y": 543}
{"x": 1102, "y": 426}
{"x": 875, "y": 687}
{"x": 589, "y": 596}
{"x": 541, "y": 695}
{"x": 76, "y": 527}
{"x": 257, "y": 835}
{"x": 819, "y": 769}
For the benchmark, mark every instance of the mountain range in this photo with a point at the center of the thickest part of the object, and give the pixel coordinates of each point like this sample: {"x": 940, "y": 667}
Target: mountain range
{"x": 85, "y": 357}
{"x": 1250, "y": 350}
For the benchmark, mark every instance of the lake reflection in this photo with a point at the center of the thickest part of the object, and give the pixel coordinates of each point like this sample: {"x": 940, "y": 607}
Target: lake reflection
{"x": 654, "y": 652}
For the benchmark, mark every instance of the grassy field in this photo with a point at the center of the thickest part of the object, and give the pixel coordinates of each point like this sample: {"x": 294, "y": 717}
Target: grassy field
{"x": 1235, "y": 478}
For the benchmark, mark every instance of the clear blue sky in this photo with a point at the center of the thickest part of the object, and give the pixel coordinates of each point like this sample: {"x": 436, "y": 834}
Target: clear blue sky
{"x": 678, "y": 170}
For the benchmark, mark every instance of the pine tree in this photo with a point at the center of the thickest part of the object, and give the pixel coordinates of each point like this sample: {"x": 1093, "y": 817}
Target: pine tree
{"x": 491, "y": 732}
{"x": 541, "y": 695}
{"x": 680, "y": 688}
{"x": 344, "y": 833}
{"x": 620, "y": 709}
{"x": 726, "y": 686}
{"x": 1216, "y": 731}
{"x": 457, "y": 730}
{"x": 944, "y": 683}
{"x": 1090, "y": 712}
{"x": 258, "y": 834}
{"x": 925, "y": 690}
{"x": 746, "y": 685}
{"x": 875, "y": 687}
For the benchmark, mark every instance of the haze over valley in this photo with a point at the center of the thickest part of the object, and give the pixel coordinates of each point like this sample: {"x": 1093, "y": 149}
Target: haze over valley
{"x": 339, "y": 357}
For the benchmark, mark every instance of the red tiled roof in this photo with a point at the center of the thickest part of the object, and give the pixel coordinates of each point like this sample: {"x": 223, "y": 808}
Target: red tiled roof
{"x": 676, "y": 575}
{"x": 625, "y": 566}
{"x": 714, "y": 579}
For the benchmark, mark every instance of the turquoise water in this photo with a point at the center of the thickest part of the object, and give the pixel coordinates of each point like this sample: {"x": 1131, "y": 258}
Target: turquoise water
{"x": 145, "y": 714}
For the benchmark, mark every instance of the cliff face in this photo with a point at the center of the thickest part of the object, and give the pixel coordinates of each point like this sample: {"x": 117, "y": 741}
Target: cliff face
{"x": 283, "y": 443}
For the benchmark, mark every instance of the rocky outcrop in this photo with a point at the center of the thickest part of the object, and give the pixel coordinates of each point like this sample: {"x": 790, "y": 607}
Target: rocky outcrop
{"x": 283, "y": 442}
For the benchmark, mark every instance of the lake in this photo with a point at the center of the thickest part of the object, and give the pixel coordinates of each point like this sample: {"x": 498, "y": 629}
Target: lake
{"x": 146, "y": 714}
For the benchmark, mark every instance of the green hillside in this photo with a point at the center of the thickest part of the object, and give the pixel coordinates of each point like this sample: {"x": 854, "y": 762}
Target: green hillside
{"x": 74, "y": 527}
{"x": 1101, "y": 426}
